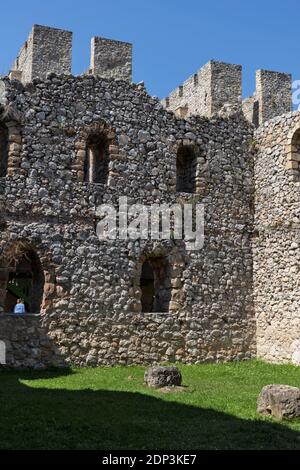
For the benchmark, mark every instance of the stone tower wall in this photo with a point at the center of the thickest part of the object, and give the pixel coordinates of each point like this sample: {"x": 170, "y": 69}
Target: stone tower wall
{"x": 276, "y": 242}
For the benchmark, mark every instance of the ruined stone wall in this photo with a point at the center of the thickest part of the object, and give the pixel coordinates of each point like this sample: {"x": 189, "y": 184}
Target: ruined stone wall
{"x": 47, "y": 203}
{"x": 276, "y": 244}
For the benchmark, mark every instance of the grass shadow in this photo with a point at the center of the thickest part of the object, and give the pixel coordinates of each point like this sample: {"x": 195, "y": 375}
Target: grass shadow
{"x": 56, "y": 418}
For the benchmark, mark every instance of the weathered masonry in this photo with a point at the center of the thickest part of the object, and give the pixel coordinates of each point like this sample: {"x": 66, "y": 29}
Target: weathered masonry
{"x": 70, "y": 143}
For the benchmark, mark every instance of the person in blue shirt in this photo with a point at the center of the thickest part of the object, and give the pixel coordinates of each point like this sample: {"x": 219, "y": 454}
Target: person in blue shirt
{"x": 19, "y": 307}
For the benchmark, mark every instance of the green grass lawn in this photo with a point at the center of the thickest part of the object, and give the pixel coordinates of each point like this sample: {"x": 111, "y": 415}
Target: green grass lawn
{"x": 110, "y": 408}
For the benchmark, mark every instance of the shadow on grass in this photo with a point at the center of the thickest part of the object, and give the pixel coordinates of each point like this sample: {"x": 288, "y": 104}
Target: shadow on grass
{"x": 41, "y": 418}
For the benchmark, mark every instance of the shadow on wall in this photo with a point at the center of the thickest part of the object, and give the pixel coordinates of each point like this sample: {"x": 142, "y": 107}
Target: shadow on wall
{"x": 36, "y": 418}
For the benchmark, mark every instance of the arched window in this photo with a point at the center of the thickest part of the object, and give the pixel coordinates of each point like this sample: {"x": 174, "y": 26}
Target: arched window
{"x": 186, "y": 165}
{"x": 293, "y": 161}
{"x": 25, "y": 278}
{"x": 3, "y": 150}
{"x": 96, "y": 159}
{"x": 155, "y": 285}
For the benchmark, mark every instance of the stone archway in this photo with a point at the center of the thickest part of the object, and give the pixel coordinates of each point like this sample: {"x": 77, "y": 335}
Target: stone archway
{"x": 21, "y": 276}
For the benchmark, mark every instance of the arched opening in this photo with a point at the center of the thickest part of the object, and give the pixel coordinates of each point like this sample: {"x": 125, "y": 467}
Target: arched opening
{"x": 293, "y": 156}
{"x": 155, "y": 285}
{"x": 3, "y": 150}
{"x": 186, "y": 166}
{"x": 296, "y": 140}
{"x": 96, "y": 159}
{"x": 25, "y": 278}
{"x": 296, "y": 148}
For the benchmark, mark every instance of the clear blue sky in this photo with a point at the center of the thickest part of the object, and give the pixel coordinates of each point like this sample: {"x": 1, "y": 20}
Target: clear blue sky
{"x": 172, "y": 38}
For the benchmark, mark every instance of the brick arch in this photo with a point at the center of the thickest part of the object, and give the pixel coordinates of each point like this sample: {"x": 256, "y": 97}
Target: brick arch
{"x": 103, "y": 131}
{"x": 181, "y": 149}
{"x": 293, "y": 153}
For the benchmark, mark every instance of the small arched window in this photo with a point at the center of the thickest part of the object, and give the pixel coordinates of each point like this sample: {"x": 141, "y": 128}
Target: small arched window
{"x": 96, "y": 159}
{"x": 3, "y": 150}
{"x": 186, "y": 166}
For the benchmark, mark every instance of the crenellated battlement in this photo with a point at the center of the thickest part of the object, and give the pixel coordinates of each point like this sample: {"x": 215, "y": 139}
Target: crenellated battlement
{"x": 50, "y": 50}
{"x": 205, "y": 92}
{"x": 217, "y": 84}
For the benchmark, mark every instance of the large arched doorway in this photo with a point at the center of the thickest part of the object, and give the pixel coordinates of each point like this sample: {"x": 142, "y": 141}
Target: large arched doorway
{"x": 24, "y": 279}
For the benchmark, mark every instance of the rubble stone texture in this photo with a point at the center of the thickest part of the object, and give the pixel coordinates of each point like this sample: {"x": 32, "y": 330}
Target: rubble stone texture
{"x": 72, "y": 143}
{"x": 160, "y": 376}
{"x": 280, "y": 401}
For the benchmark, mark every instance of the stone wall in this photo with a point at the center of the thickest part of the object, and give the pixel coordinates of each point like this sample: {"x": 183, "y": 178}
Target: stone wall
{"x": 48, "y": 205}
{"x": 91, "y": 297}
{"x": 96, "y": 339}
{"x": 28, "y": 344}
{"x": 276, "y": 242}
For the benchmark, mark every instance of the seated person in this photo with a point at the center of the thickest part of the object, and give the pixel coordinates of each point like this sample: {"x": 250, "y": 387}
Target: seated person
{"x": 19, "y": 307}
